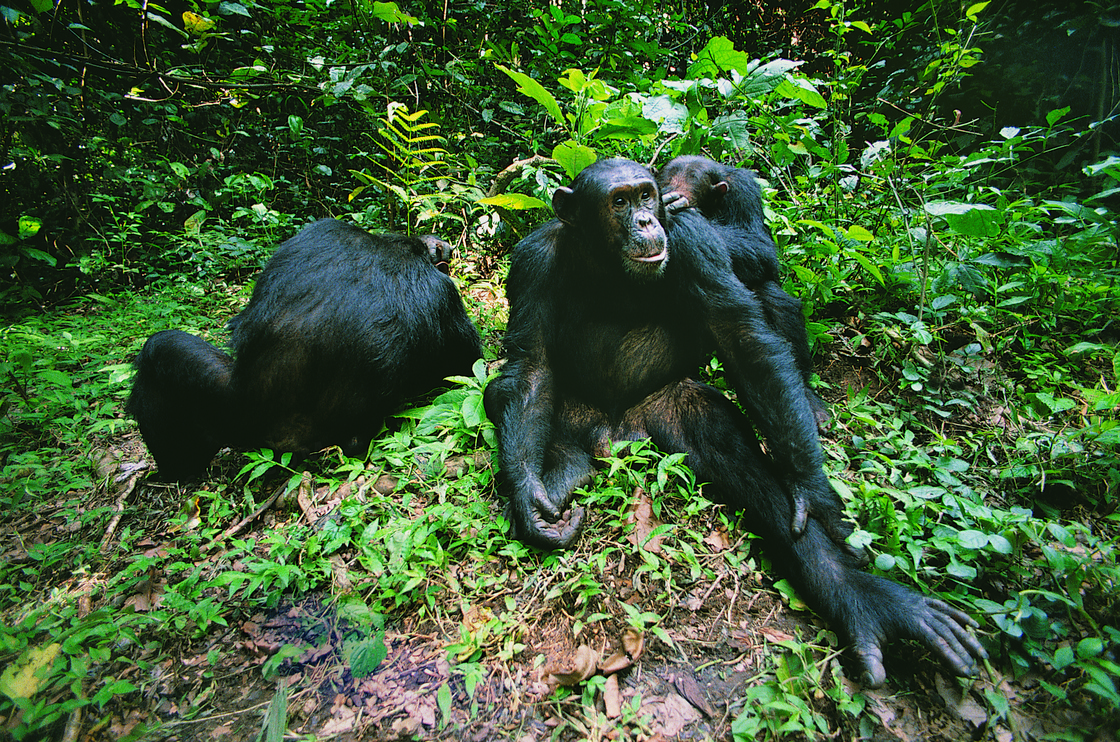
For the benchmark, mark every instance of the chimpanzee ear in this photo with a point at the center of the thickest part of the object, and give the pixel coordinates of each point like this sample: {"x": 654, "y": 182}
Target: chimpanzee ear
{"x": 563, "y": 206}
{"x": 720, "y": 188}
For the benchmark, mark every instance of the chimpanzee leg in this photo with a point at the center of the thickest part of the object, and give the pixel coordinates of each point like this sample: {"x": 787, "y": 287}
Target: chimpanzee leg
{"x": 784, "y": 315}
{"x": 865, "y": 610}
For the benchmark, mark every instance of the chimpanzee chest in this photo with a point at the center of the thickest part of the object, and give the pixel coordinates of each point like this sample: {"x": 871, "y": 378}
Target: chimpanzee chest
{"x": 615, "y": 362}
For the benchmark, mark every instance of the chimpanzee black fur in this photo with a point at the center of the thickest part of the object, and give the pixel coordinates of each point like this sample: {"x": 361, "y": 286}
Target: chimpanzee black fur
{"x": 731, "y": 200}
{"x": 343, "y": 325}
{"x": 610, "y": 320}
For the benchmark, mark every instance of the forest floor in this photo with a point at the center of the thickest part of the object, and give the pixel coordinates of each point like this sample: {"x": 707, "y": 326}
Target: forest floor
{"x": 212, "y": 686}
{"x": 730, "y": 636}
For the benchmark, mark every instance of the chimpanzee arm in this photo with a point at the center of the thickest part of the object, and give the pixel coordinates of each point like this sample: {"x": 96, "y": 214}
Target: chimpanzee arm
{"x": 763, "y": 370}
{"x": 522, "y": 405}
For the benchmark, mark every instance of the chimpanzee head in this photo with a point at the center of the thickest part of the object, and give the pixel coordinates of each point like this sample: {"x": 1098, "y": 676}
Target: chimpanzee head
{"x": 616, "y": 206}
{"x": 700, "y": 180}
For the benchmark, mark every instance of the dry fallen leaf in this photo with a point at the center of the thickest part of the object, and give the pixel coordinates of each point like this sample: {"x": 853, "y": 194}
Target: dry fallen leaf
{"x": 633, "y": 641}
{"x": 576, "y": 669}
{"x": 641, "y": 515}
{"x": 615, "y": 663}
{"x": 718, "y": 540}
{"x": 774, "y": 635}
{"x": 611, "y": 698}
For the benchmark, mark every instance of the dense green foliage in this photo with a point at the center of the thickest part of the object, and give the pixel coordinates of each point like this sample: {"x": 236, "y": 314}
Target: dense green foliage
{"x": 954, "y": 241}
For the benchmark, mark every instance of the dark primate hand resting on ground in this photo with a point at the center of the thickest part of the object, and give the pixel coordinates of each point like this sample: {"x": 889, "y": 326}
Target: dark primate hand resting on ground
{"x": 611, "y": 317}
{"x": 342, "y": 327}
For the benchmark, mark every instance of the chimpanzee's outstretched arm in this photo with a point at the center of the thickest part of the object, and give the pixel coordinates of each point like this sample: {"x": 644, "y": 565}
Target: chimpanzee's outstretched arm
{"x": 520, "y": 403}
{"x": 762, "y": 368}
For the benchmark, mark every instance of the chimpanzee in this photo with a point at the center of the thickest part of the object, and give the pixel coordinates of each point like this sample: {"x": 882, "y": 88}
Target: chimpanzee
{"x": 731, "y": 200}
{"x": 610, "y": 319}
{"x": 342, "y": 326}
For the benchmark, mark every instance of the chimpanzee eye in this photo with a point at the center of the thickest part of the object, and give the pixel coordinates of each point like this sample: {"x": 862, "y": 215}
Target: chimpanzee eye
{"x": 646, "y": 195}
{"x": 619, "y": 201}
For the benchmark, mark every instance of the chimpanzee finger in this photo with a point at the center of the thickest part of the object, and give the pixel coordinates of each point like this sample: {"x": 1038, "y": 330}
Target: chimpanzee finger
{"x": 800, "y": 515}
{"x": 838, "y": 531}
{"x": 562, "y": 533}
{"x": 869, "y": 655}
{"x": 675, "y": 202}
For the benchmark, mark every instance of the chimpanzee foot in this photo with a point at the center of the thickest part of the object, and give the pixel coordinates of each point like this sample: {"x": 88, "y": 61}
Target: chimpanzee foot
{"x": 899, "y": 613}
{"x": 819, "y": 410}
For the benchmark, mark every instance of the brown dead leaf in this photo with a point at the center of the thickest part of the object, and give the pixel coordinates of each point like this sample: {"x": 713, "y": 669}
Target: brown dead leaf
{"x": 454, "y": 467}
{"x": 574, "y": 669}
{"x": 641, "y": 515}
{"x": 615, "y": 663}
{"x": 386, "y": 484}
{"x": 960, "y": 704}
{"x": 685, "y": 683}
{"x": 633, "y": 641}
{"x": 612, "y": 700}
{"x": 718, "y": 540}
{"x": 669, "y": 714}
{"x": 148, "y": 596}
{"x": 774, "y": 635}
{"x": 475, "y": 618}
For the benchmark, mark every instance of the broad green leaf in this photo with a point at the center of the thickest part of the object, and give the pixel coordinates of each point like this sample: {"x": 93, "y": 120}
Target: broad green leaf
{"x": 802, "y": 90}
{"x": 719, "y": 56}
{"x": 971, "y": 220}
{"x": 973, "y": 539}
{"x": 390, "y": 13}
{"x": 974, "y": 9}
{"x": 1056, "y": 115}
{"x": 228, "y": 8}
{"x": 29, "y": 226}
{"x": 513, "y": 201}
{"x": 530, "y": 87}
{"x": 573, "y": 157}
{"x": 867, "y": 265}
{"x": 669, "y": 115}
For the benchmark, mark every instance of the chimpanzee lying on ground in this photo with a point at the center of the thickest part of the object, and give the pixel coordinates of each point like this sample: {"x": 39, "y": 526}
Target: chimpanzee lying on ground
{"x": 343, "y": 325}
{"x": 610, "y": 320}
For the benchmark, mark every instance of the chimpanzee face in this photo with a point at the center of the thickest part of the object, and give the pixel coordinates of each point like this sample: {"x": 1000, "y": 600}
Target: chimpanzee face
{"x": 617, "y": 206}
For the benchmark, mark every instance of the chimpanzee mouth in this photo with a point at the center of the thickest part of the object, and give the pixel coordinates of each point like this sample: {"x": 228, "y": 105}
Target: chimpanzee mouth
{"x": 651, "y": 258}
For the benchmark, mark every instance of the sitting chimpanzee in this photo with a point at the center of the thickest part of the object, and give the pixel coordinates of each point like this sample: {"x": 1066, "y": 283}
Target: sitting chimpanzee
{"x": 731, "y": 200}
{"x": 610, "y": 320}
{"x": 342, "y": 326}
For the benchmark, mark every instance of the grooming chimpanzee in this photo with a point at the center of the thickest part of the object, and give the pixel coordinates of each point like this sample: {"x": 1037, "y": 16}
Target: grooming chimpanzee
{"x": 610, "y": 319}
{"x": 731, "y": 200}
{"x": 342, "y": 326}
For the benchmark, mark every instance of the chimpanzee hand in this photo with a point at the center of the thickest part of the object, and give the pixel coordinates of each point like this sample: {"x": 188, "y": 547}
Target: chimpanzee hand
{"x": 675, "y": 202}
{"x": 884, "y": 610}
{"x": 822, "y": 504}
{"x": 538, "y": 521}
